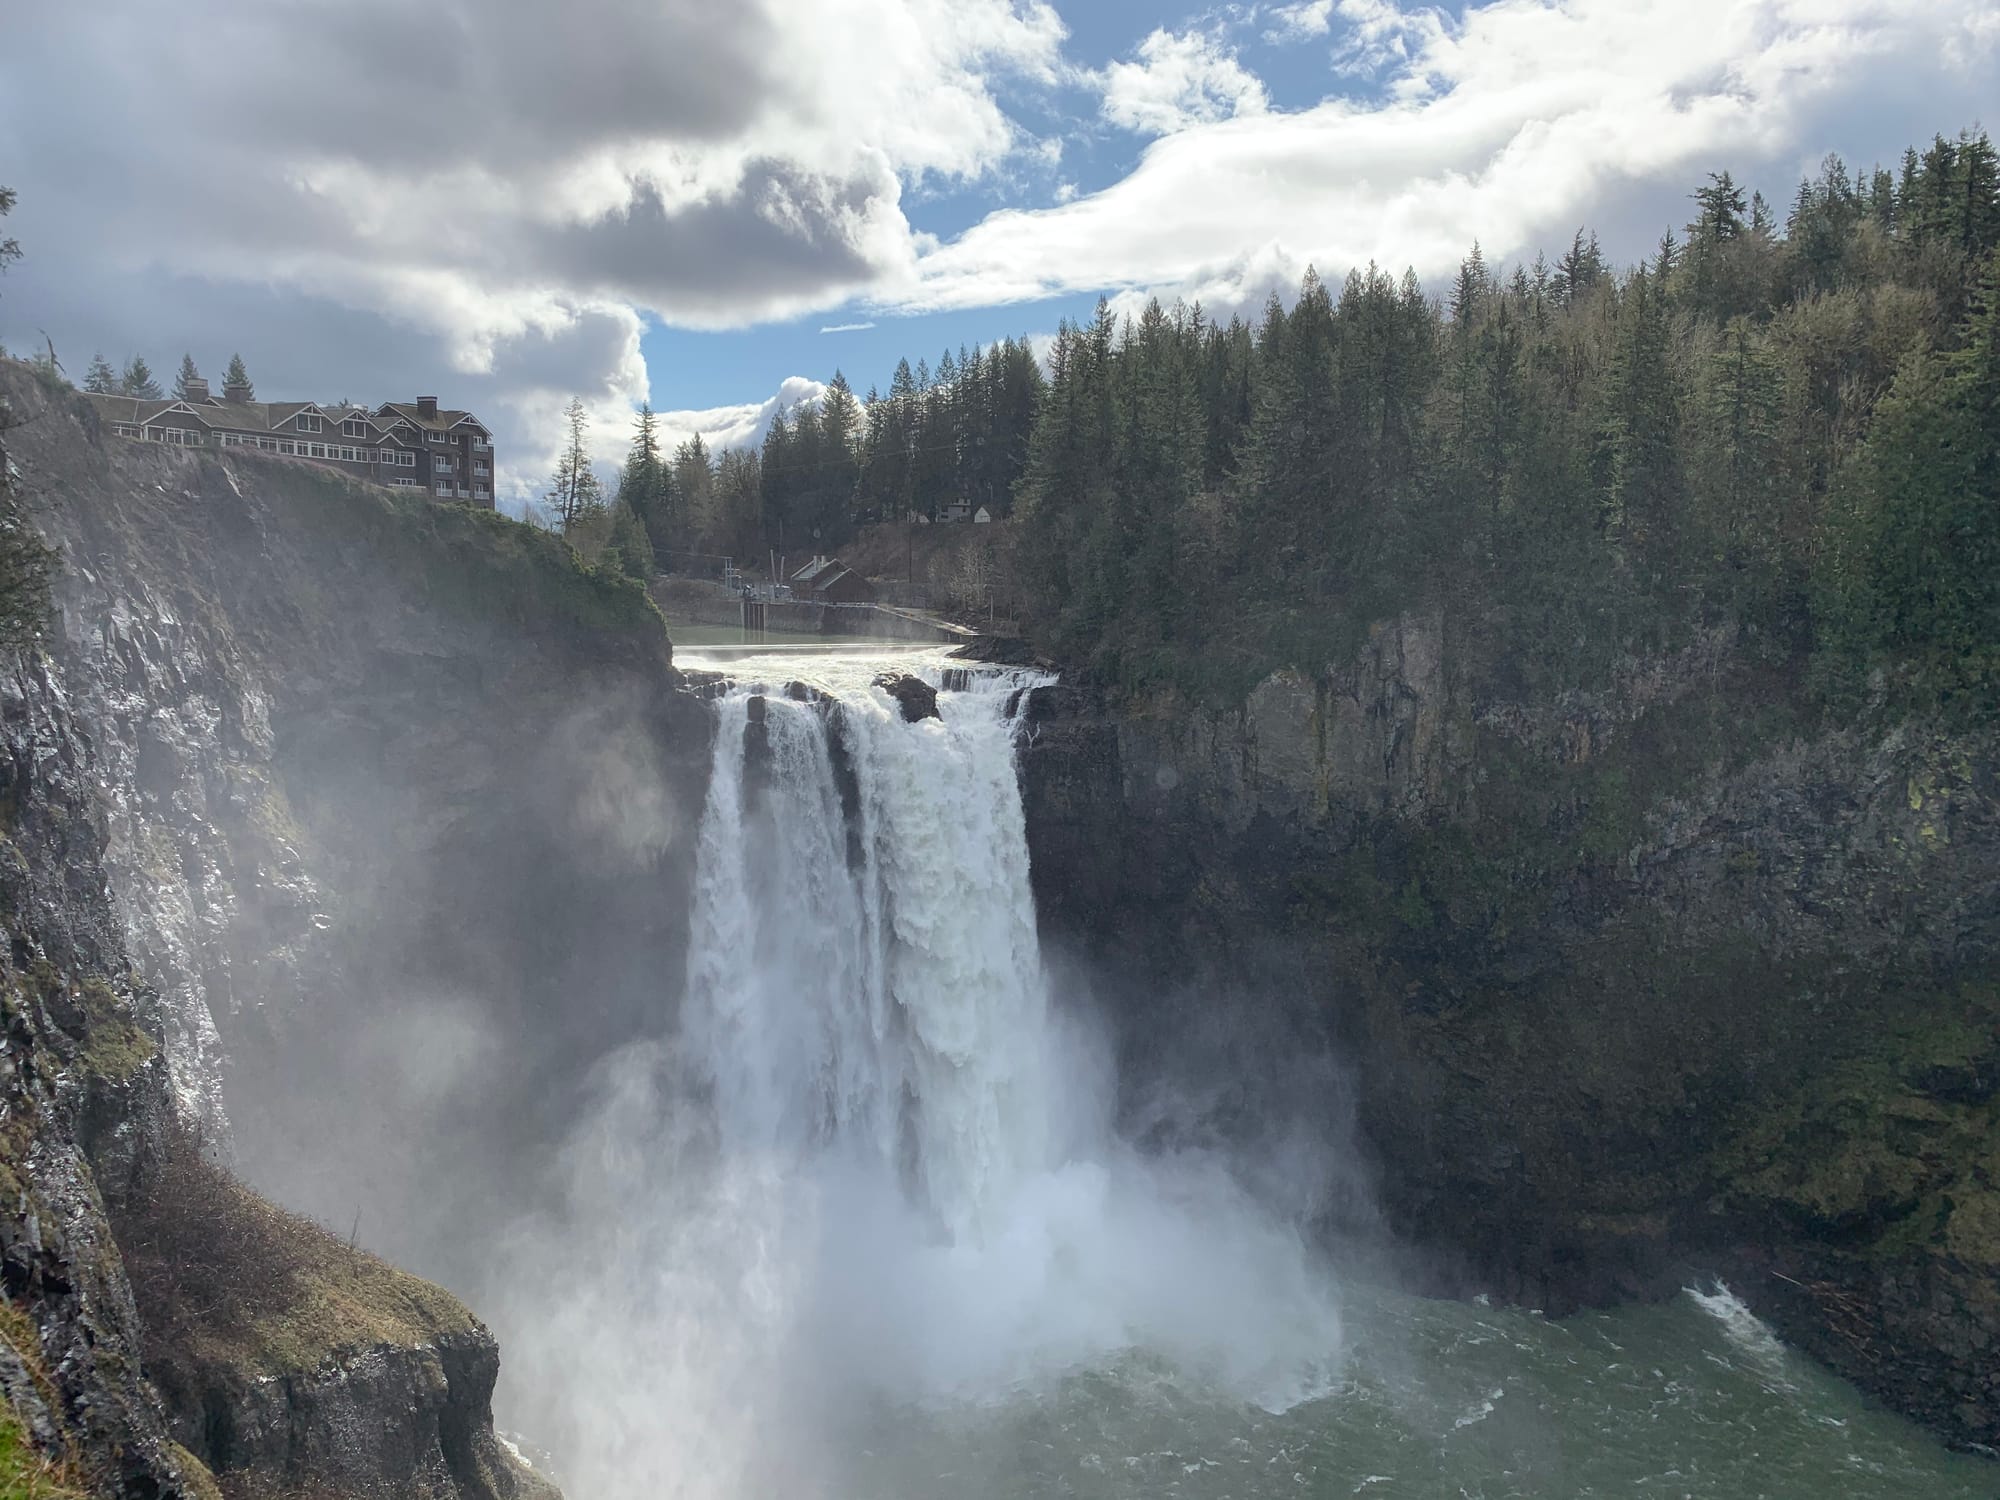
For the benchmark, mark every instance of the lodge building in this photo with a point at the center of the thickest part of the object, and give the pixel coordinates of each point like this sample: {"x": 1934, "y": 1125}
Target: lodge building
{"x": 412, "y": 445}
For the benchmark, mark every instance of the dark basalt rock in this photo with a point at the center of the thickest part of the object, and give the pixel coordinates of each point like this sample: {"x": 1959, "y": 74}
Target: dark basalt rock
{"x": 917, "y": 697}
{"x": 1754, "y": 1035}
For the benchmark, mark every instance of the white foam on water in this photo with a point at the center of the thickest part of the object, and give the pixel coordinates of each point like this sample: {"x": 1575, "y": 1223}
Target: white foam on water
{"x": 1743, "y": 1328}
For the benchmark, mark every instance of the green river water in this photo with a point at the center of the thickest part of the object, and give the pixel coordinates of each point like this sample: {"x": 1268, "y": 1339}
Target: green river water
{"x": 1690, "y": 1398}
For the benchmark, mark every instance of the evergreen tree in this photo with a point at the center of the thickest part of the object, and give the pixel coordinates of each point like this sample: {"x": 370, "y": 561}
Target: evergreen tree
{"x": 138, "y": 380}
{"x": 102, "y": 379}
{"x": 574, "y": 491}
{"x": 1470, "y": 287}
{"x": 188, "y": 373}
{"x": 237, "y": 375}
{"x": 1641, "y": 427}
{"x": 644, "y": 487}
{"x": 1579, "y": 270}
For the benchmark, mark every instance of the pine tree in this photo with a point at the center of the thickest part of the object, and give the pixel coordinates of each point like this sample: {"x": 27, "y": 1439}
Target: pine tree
{"x": 1580, "y": 269}
{"x": 183, "y": 381}
{"x": 102, "y": 379}
{"x": 138, "y": 380}
{"x": 643, "y": 485}
{"x": 574, "y": 491}
{"x": 1642, "y": 426}
{"x": 237, "y": 375}
{"x": 1470, "y": 287}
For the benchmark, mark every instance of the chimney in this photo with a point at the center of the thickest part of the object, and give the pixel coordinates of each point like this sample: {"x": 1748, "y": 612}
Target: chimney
{"x": 427, "y": 406}
{"x": 197, "y": 388}
{"x": 236, "y": 390}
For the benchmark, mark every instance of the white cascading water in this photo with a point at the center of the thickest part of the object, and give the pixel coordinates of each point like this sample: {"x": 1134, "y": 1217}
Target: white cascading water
{"x": 875, "y": 1165}
{"x": 875, "y": 988}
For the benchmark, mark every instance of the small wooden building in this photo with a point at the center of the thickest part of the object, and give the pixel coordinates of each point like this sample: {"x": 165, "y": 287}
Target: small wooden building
{"x": 827, "y": 580}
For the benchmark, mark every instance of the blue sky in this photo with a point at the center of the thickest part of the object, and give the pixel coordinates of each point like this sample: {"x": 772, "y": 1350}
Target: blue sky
{"x": 669, "y": 200}
{"x": 690, "y": 369}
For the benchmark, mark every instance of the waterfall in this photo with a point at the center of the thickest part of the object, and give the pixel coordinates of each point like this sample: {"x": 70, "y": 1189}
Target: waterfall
{"x": 874, "y": 1168}
{"x": 864, "y": 977}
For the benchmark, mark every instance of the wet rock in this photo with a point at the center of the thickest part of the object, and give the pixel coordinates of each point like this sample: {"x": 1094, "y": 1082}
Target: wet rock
{"x": 917, "y": 697}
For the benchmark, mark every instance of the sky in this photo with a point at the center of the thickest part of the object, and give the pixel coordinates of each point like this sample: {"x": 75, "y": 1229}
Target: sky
{"x": 713, "y": 207}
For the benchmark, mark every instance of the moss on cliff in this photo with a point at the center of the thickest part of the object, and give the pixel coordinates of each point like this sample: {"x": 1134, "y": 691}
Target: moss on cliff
{"x": 1892, "y": 1146}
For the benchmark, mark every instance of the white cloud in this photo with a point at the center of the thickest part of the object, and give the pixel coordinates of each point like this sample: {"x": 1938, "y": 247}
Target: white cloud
{"x": 847, "y": 327}
{"x": 1510, "y": 126}
{"x": 1178, "y": 79}
{"x": 1300, "y": 22}
{"x": 739, "y": 426}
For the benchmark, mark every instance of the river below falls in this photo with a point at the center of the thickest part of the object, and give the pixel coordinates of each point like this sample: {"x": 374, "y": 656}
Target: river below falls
{"x": 1690, "y": 1398}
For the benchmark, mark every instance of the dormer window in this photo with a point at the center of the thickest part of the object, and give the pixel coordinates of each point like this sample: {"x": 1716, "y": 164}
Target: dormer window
{"x": 354, "y": 428}
{"x": 305, "y": 421}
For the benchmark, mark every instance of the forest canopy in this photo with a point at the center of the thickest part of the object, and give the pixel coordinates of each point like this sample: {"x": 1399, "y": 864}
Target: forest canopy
{"x": 1783, "y": 422}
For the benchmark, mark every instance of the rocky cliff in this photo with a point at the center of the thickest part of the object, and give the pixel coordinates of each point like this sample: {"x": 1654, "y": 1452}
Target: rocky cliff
{"x": 320, "y": 795}
{"x": 1667, "y": 978}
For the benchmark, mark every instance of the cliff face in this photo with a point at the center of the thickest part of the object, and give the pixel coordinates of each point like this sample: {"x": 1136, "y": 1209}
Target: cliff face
{"x": 363, "y": 789}
{"x": 1665, "y": 979}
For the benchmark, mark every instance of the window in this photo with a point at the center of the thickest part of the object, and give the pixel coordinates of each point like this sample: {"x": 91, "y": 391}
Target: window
{"x": 405, "y": 484}
{"x": 444, "y": 489}
{"x": 481, "y": 491}
{"x": 440, "y": 464}
{"x": 482, "y": 468}
{"x": 305, "y": 421}
{"x": 354, "y": 428}
{"x": 286, "y": 446}
{"x": 438, "y": 437}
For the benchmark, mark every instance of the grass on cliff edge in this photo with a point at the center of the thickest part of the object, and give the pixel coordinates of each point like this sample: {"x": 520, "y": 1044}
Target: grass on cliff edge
{"x": 24, "y": 1473}
{"x": 471, "y": 562}
{"x": 229, "y": 1284}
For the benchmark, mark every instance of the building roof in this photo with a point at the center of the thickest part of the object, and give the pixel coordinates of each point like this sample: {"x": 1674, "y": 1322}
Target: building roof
{"x": 217, "y": 415}
{"x": 130, "y": 409}
{"x": 817, "y": 571}
{"x": 232, "y": 416}
{"x": 444, "y": 421}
